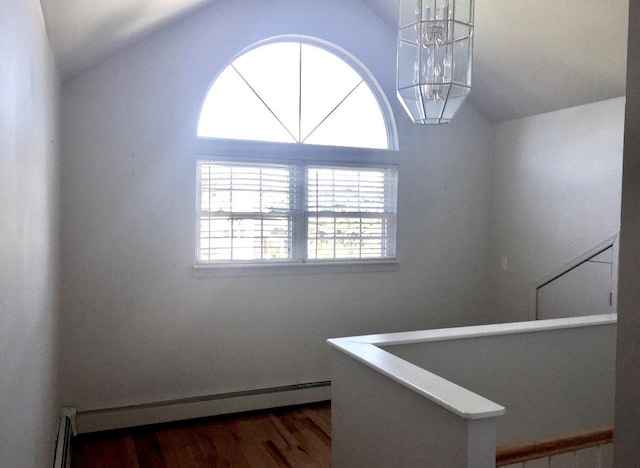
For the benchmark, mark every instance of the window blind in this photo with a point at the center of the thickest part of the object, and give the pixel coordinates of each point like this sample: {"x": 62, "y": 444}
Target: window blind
{"x": 246, "y": 212}
{"x": 351, "y": 212}
{"x": 257, "y": 212}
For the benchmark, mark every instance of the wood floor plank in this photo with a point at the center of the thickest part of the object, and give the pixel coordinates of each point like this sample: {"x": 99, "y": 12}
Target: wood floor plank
{"x": 303, "y": 450}
{"x": 181, "y": 448}
{"x": 277, "y": 455}
{"x": 318, "y": 431}
{"x": 284, "y": 432}
{"x": 104, "y": 452}
{"x": 208, "y": 449}
{"x": 283, "y": 438}
{"x": 148, "y": 450}
{"x": 323, "y": 421}
{"x": 227, "y": 446}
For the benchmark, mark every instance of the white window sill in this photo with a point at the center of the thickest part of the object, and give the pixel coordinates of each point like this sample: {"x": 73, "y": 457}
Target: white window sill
{"x": 293, "y": 268}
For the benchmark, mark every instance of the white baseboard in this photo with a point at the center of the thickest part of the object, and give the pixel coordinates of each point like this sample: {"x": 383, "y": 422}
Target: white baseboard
{"x": 190, "y": 408}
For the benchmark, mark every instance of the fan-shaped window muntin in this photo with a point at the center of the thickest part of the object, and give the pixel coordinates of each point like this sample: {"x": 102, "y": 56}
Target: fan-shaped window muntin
{"x": 296, "y": 91}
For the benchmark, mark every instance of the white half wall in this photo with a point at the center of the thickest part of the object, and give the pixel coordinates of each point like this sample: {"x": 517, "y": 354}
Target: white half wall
{"x": 140, "y": 327}
{"x": 411, "y": 399}
{"x": 28, "y": 238}
{"x": 378, "y": 423}
{"x": 556, "y": 188}
{"x": 553, "y": 376}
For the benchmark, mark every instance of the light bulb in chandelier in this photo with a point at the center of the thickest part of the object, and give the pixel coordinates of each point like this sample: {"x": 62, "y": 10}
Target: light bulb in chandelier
{"x": 443, "y": 10}
{"x": 446, "y": 63}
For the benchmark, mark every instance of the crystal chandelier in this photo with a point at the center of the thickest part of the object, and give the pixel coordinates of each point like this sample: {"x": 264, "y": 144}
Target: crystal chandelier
{"x": 435, "y": 52}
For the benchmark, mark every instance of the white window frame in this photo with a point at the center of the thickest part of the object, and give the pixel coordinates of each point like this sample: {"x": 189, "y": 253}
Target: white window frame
{"x": 300, "y": 214}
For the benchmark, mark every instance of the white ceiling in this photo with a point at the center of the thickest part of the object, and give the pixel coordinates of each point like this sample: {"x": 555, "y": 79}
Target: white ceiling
{"x": 530, "y": 56}
{"x": 84, "y": 32}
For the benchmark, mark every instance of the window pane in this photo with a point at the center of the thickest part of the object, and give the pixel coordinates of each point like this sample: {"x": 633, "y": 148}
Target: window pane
{"x": 357, "y": 122}
{"x": 248, "y": 189}
{"x": 351, "y": 212}
{"x": 244, "y": 238}
{"x": 326, "y": 81}
{"x": 245, "y": 212}
{"x": 349, "y": 190}
{"x": 273, "y": 71}
{"x": 233, "y": 110}
{"x": 344, "y": 238}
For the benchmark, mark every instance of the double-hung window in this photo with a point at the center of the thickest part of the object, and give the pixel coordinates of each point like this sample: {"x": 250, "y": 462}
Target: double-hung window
{"x": 295, "y": 212}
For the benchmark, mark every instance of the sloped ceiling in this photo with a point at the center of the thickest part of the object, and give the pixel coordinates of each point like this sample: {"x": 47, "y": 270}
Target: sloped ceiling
{"x": 530, "y": 56}
{"x": 82, "y": 33}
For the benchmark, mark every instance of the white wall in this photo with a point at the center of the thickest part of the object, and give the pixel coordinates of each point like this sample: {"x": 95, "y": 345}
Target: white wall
{"x": 556, "y": 181}
{"x": 584, "y": 290}
{"x": 139, "y": 326}
{"x": 28, "y": 238}
{"x": 627, "y": 449}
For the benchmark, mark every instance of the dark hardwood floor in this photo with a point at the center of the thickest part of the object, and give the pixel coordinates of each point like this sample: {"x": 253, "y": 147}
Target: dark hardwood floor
{"x": 289, "y": 437}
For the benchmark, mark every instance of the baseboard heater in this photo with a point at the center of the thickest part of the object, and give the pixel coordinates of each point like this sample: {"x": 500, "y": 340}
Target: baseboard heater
{"x": 66, "y": 429}
{"x": 200, "y": 407}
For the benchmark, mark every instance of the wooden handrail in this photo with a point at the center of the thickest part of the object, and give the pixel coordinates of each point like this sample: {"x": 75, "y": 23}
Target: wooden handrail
{"x": 571, "y": 442}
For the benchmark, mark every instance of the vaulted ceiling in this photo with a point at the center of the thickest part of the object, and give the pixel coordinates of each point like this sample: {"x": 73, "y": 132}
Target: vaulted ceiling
{"x": 530, "y": 56}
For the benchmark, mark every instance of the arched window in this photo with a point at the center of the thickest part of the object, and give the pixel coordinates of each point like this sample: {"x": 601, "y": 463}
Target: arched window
{"x": 280, "y": 208}
{"x": 297, "y": 90}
